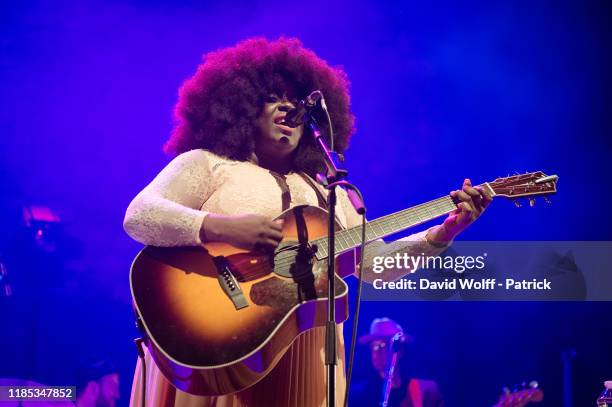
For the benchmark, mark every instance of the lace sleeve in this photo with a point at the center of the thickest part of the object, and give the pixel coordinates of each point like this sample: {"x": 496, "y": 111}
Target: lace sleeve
{"x": 413, "y": 245}
{"x": 167, "y": 212}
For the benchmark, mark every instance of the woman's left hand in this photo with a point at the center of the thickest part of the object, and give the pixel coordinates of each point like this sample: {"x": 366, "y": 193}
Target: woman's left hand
{"x": 472, "y": 202}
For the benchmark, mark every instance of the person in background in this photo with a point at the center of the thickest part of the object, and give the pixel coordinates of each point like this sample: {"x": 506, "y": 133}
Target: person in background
{"x": 97, "y": 385}
{"x": 405, "y": 391}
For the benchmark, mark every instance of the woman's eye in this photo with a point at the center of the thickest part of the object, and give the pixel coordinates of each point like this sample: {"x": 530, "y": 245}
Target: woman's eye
{"x": 272, "y": 99}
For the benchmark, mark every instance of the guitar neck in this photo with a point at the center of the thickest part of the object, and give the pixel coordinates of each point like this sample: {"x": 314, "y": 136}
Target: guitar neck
{"x": 390, "y": 224}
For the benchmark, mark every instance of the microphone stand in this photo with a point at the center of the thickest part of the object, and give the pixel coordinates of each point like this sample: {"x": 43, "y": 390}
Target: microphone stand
{"x": 390, "y": 371}
{"x": 334, "y": 176}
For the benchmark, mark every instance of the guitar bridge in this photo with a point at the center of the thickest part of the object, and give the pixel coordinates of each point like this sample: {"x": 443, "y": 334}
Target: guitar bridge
{"x": 228, "y": 283}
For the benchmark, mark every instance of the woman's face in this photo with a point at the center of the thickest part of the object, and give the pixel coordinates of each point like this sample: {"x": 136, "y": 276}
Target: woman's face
{"x": 275, "y": 139}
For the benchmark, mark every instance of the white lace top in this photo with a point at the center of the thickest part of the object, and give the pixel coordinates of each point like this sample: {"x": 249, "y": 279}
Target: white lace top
{"x": 170, "y": 210}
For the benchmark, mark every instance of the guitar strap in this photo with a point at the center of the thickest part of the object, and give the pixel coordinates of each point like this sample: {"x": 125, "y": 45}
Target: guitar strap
{"x": 281, "y": 180}
{"x": 322, "y": 200}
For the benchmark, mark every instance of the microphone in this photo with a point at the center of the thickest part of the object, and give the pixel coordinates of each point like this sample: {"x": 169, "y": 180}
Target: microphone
{"x": 295, "y": 116}
{"x": 398, "y": 341}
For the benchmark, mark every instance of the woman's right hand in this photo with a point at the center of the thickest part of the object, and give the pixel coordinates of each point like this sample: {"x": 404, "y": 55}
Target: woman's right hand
{"x": 249, "y": 232}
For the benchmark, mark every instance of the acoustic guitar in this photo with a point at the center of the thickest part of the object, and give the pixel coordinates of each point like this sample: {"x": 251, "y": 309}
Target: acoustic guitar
{"x": 217, "y": 319}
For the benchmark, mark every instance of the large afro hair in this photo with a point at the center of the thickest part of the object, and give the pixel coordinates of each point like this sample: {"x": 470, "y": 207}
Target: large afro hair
{"x": 218, "y": 106}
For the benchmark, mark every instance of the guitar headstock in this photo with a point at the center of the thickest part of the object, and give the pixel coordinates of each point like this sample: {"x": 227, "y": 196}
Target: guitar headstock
{"x": 529, "y": 185}
{"x": 523, "y": 394}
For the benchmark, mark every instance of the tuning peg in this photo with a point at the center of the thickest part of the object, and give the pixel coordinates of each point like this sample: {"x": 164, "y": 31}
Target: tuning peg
{"x": 517, "y": 203}
{"x": 548, "y": 201}
{"x": 531, "y": 202}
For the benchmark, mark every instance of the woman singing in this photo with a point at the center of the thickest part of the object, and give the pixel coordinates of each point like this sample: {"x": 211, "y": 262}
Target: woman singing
{"x": 237, "y": 167}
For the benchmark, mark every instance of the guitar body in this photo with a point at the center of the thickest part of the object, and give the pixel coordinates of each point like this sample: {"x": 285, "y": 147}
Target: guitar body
{"x": 211, "y": 332}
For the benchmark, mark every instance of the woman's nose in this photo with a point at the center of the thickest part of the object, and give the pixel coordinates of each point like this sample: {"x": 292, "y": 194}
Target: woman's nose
{"x": 285, "y": 106}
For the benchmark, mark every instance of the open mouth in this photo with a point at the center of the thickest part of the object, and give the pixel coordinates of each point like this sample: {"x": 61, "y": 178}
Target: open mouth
{"x": 279, "y": 122}
{"x": 285, "y": 129}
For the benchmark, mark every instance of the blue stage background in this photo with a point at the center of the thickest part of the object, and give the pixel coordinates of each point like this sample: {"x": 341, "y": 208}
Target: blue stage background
{"x": 441, "y": 91}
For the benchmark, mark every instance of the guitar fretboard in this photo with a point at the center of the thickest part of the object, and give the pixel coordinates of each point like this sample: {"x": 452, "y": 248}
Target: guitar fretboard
{"x": 387, "y": 225}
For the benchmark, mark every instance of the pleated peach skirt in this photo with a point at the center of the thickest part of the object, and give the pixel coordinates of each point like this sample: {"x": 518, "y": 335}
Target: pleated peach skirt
{"x": 297, "y": 381}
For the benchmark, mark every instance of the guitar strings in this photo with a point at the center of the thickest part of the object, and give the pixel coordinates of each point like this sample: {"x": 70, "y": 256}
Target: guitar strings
{"x": 285, "y": 257}
{"x": 406, "y": 217}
